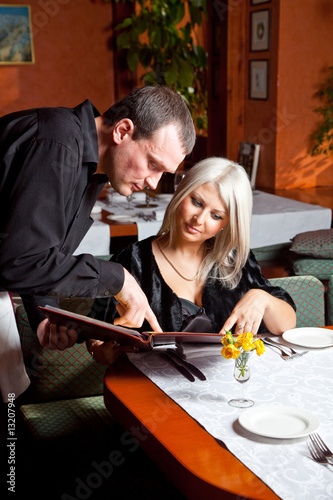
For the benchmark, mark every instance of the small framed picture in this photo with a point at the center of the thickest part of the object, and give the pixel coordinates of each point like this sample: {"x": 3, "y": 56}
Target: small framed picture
{"x": 259, "y": 79}
{"x": 257, "y": 2}
{"x": 259, "y": 30}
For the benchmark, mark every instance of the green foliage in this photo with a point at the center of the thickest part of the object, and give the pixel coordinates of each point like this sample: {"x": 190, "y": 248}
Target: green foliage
{"x": 169, "y": 53}
{"x": 323, "y": 137}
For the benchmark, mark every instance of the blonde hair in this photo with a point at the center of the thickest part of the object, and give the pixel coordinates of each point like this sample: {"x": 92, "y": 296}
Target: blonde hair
{"x": 227, "y": 252}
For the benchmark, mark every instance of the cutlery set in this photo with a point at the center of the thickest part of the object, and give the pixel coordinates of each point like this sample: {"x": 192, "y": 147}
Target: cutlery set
{"x": 184, "y": 367}
{"x": 284, "y": 355}
{"x": 319, "y": 450}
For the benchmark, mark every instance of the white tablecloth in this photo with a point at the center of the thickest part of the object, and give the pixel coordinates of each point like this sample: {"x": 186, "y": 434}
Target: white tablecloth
{"x": 274, "y": 219}
{"x": 306, "y": 382}
{"x": 96, "y": 241}
{"x": 137, "y": 214}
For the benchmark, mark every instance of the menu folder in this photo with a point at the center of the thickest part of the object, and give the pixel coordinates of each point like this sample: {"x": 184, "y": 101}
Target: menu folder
{"x": 95, "y": 329}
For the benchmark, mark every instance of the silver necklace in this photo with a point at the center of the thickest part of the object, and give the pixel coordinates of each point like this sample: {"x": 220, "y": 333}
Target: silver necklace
{"x": 173, "y": 267}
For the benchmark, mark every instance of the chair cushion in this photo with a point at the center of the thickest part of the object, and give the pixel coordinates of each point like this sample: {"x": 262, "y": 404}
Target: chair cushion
{"x": 56, "y": 420}
{"x": 314, "y": 243}
{"x": 64, "y": 374}
{"x": 308, "y": 295}
{"x": 321, "y": 268}
{"x": 270, "y": 252}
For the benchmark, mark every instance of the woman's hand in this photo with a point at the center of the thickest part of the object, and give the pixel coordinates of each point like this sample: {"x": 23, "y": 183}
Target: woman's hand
{"x": 107, "y": 353}
{"x": 257, "y": 305}
{"x": 53, "y": 337}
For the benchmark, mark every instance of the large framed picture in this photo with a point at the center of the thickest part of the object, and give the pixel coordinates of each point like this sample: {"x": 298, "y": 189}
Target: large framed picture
{"x": 259, "y": 79}
{"x": 259, "y": 30}
{"x": 16, "y": 44}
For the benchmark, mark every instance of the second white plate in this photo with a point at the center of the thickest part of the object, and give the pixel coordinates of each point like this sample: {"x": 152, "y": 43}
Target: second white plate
{"x": 282, "y": 422}
{"x": 309, "y": 337}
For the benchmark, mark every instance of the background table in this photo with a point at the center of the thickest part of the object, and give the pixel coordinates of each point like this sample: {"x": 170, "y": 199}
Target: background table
{"x": 275, "y": 219}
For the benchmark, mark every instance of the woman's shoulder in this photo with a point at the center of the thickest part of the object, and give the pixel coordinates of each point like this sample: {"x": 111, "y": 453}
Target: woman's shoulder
{"x": 137, "y": 249}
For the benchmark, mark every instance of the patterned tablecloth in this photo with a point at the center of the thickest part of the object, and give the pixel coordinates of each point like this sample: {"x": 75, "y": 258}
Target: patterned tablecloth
{"x": 305, "y": 382}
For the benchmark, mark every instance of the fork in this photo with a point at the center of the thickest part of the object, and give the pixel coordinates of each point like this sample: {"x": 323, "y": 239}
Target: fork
{"x": 293, "y": 352}
{"x": 316, "y": 454}
{"x": 321, "y": 446}
{"x": 284, "y": 354}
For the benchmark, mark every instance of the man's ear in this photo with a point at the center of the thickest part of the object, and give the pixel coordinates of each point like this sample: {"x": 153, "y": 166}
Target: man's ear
{"x": 122, "y": 130}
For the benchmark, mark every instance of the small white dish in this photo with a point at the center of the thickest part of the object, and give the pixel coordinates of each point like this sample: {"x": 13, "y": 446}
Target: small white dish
{"x": 309, "y": 337}
{"x": 125, "y": 218}
{"x": 281, "y": 422}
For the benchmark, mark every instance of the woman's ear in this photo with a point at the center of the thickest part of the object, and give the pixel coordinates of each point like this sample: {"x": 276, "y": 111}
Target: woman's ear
{"x": 122, "y": 130}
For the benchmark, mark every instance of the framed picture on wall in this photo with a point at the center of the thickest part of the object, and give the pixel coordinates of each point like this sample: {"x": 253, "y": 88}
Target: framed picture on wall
{"x": 248, "y": 157}
{"x": 16, "y": 44}
{"x": 259, "y": 30}
{"x": 259, "y": 79}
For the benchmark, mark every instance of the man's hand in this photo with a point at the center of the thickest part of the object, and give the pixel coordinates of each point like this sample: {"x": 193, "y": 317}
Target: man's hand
{"x": 133, "y": 306}
{"x": 53, "y": 337}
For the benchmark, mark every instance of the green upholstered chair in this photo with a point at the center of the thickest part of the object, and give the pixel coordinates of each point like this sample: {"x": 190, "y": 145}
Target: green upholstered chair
{"x": 313, "y": 255}
{"x": 59, "y": 374}
{"x": 66, "y": 391}
{"x": 308, "y": 295}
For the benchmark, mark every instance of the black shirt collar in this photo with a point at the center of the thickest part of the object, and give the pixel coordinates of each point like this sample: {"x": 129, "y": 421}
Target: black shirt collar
{"x": 87, "y": 113}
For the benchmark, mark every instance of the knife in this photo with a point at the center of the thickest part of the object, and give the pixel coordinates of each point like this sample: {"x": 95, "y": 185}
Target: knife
{"x": 192, "y": 368}
{"x": 180, "y": 368}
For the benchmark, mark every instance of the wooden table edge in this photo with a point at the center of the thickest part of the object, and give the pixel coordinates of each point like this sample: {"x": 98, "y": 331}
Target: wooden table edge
{"x": 165, "y": 432}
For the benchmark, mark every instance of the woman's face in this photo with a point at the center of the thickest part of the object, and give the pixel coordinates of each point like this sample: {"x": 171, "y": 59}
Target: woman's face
{"x": 202, "y": 214}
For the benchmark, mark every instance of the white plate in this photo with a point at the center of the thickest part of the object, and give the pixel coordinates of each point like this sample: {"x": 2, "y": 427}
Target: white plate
{"x": 310, "y": 337}
{"x": 127, "y": 218}
{"x": 282, "y": 422}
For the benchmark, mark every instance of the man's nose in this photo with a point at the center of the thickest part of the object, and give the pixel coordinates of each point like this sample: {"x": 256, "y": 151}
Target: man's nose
{"x": 153, "y": 180}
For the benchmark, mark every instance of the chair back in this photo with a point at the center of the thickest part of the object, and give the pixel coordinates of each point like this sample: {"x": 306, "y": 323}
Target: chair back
{"x": 308, "y": 295}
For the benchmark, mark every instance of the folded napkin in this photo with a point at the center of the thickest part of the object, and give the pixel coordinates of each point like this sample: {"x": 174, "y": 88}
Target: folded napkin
{"x": 146, "y": 229}
{"x": 158, "y": 214}
{"x": 191, "y": 351}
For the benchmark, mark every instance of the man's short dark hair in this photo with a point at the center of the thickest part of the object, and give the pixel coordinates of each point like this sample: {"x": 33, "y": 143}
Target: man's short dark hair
{"x": 151, "y": 108}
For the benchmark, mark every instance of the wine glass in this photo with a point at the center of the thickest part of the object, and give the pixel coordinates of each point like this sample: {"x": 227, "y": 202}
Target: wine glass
{"x": 129, "y": 199}
{"x": 242, "y": 375}
{"x": 179, "y": 174}
{"x": 147, "y": 203}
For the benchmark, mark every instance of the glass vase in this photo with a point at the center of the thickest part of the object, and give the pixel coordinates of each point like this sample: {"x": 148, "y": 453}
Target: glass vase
{"x": 242, "y": 375}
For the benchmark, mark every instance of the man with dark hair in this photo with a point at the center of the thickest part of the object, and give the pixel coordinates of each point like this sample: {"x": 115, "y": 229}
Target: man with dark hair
{"x": 54, "y": 164}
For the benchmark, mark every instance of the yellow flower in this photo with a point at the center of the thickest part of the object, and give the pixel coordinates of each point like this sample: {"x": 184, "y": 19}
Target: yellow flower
{"x": 247, "y": 345}
{"x": 230, "y": 352}
{"x": 244, "y": 337}
{"x": 260, "y": 348}
{"x": 227, "y": 339}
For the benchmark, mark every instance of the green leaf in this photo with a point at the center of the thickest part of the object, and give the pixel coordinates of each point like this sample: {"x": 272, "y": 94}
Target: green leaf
{"x": 123, "y": 41}
{"x": 171, "y": 75}
{"x": 185, "y": 74}
{"x": 132, "y": 60}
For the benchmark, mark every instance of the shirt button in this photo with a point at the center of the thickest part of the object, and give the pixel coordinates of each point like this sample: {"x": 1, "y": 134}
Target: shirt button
{"x": 107, "y": 292}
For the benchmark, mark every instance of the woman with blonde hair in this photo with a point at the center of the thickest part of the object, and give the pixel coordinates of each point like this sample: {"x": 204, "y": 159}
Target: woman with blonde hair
{"x": 198, "y": 273}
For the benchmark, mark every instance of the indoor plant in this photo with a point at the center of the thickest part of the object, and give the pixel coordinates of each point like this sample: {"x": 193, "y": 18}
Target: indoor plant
{"x": 160, "y": 37}
{"x": 323, "y": 137}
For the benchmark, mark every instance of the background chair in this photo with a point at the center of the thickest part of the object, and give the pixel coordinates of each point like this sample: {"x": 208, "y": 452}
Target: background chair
{"x": 308, "y": 295}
